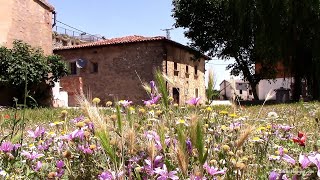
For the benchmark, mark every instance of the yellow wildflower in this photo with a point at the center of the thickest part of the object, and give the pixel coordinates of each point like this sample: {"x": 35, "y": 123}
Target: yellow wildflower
{"x": 142, "y": 111}
{"x": 233, "y": 115}
{"x": 209, "y": 109}
{"x": 223, "y": 112}
{"x": 223, "y": 127}
{"x": 64, "y": 112}
{"x": 96, "y": 100}
{"x": 109, "y": 103}
{"x": 225, "y": 147}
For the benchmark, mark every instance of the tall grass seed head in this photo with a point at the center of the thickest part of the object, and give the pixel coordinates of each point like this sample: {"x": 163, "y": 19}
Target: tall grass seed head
{"x": 113, "y": 117}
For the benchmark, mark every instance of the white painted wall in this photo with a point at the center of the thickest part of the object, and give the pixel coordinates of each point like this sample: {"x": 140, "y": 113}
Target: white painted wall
{"x": 230, "y": 92}
{"x": 265, "y": 86}
{"x": 60, "y": 98}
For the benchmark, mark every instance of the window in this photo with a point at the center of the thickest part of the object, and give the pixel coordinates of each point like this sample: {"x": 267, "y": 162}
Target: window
{"x": 187, "y": 71}
{"x": 240, "y": 91}
{"x": 196, "y": 92}
{"x": 250, "y": 92}
{"x": 73, "y": 68}
{"x": 94, "y": 67}
{"x": 175, "y": 67}
{"x": 195, "y": 70}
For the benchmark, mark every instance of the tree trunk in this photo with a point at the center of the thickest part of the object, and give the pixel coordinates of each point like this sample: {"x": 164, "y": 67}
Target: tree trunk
{"x": 254, "y": 91}
{"x": 296, "y": 88}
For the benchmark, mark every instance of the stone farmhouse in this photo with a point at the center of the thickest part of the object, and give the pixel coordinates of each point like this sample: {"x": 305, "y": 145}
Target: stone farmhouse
{"x": 115, "y": 69}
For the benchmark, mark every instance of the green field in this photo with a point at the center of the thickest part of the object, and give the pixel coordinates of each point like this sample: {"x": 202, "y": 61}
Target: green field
{"x": 185, "y": 142}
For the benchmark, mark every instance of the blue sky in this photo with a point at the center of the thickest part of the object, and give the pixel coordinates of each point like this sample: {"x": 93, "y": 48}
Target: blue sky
{"x": 116, "y": 18}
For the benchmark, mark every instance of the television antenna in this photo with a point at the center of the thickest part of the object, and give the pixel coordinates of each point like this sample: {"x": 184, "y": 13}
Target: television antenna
{"x": 167, "y": 32}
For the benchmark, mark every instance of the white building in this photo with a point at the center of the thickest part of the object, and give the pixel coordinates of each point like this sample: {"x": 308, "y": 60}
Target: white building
{"x": 230, "y": 89}
{"x": 279, "y": 87}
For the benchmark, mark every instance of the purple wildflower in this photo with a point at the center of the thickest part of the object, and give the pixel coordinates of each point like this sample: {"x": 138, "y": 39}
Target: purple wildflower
{"x": 85, "y": 150}
{"x": 212, "y": 170}
{"x": 288, "y": 159}
{"x": 152, "y": 135}
{"x": 154, "y": 100}
{"x": 316, "y": 161}
{"x": 60, "y": 164}
{"x": 189, "y": 146}
{"x": 193, "y": 101}
{"x": 76, "y": 134}
{"x": 285, "y": 127}
{"x": 235, "y": 125}
{"x": 45, "y": 145}
{"x": 106, "y": 175}
{"x": 304, "y": 161}
{"x": 38, "y": 132}
{"x": 6, "y": 147}
{"x": 60, "y": 170}
{"x": 125, "y": 103}
{"x": 31, "y": 156}
{"x": 78, "y": 119}
{"x": 194, "y": 177}
{"x": 273, "y": 175}
{"x": 152, "y": 85}
{"x": 164, "y": 174}
{"x": 37, "y": 166}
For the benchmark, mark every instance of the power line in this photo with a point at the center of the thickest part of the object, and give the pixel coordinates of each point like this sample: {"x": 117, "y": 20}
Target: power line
{"x": 82, "y": 32}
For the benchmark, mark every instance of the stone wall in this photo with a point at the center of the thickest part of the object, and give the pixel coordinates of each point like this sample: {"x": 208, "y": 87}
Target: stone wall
{"x": 187, "y": 82}
{"x": 120, "y": 69}
{"x": 27, "y": 20}
{"x": 123, "y": 68}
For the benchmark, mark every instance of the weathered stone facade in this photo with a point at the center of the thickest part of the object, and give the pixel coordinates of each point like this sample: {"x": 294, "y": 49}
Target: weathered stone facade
{"x": 117, "y": 70}
{"x": 26, "y": 20}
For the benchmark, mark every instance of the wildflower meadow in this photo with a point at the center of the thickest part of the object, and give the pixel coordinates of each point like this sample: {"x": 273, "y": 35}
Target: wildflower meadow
{"x": 161, "y": 140}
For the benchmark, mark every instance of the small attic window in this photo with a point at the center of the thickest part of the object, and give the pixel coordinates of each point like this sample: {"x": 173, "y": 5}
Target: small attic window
{"x": 73, "y": 68}
{"x": 94, "y": 67}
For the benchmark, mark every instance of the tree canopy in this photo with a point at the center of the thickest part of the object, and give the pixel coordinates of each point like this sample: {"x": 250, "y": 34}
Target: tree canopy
{"x": 23, "y": 64}
{"x": 255, "y": 31}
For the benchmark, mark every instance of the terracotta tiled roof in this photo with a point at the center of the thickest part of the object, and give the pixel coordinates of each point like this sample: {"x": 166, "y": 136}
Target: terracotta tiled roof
{"x": 125, "y": 40}
{"x": 121, "y": 40}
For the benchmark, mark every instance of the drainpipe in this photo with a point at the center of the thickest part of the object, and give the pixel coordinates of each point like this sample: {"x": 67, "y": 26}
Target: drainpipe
{"x": 54, "y": 18}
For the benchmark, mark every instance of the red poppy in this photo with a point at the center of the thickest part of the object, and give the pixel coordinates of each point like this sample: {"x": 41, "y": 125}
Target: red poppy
{"x": 301, "y": 139}
{"x": 7, "y": 116}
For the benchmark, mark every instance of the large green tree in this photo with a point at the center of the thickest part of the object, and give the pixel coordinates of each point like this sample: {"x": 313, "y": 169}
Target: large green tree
{"x": 255, "y": 31}
{"x": 23, "y": 65}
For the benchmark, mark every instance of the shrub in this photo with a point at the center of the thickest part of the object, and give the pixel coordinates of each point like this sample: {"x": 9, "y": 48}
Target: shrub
{"x": 24, "y": 65}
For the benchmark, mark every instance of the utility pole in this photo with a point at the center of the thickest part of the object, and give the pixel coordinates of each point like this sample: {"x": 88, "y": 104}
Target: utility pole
{"x": 167, "y": 32}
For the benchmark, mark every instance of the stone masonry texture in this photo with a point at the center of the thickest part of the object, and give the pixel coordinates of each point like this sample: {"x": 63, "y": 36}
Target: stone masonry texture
{"x": 122, "y": 68}
{"x": 26, "y": 20}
